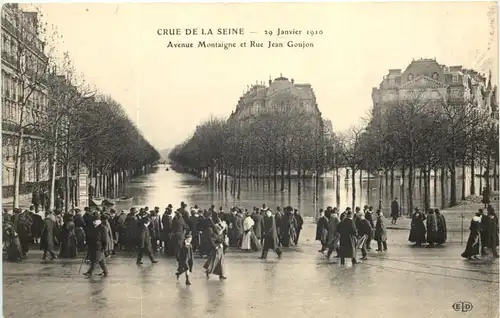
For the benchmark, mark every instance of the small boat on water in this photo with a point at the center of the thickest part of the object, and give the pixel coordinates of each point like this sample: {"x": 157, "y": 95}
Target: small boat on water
{"x": 124, "y": 199}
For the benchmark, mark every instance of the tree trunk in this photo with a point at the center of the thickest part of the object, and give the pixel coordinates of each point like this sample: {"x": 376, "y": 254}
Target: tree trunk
{"x": 480, "y": 178}
{"x": 463, "y": 181}
{"x": 443, "y": 188}
{"x": 360, "y": 181}
{"x": 17, "y": 174}
{"x": 289, "y": 177}
{"x": 68, "y": 188}
{"x": 487, "y": 171}
{"x": 472, "y": 170}
{"x": 337, "y": 186}
{"x": 426, "y": 194}
{"x": 453, "y": 184}
{"x": 495, "y": 175}
{"x": 239, "y": 181}
{"x": 410, "y": 187}
{"x": 368, "y": 188}
{"x": 53, "y": 176}
{"x": 282, "y": 176}
{"x": 420, "y": 180}
{"x": 392, "y": 182}
{"x": 298, "y": 178}
{"x": 402, "y": 190}
{"x": 353, "y": 174}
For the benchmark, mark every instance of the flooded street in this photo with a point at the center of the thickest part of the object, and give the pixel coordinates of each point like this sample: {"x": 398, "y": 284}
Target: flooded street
{"x": 161, "y": 187}
{"x": 402, "y": 282}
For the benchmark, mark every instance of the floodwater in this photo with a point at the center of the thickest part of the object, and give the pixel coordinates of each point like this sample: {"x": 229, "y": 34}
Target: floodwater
{"x": 161, "y": 187}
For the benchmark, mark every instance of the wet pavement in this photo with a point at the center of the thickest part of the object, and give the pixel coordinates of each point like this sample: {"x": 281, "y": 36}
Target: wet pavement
{"x": 403, "y": 282}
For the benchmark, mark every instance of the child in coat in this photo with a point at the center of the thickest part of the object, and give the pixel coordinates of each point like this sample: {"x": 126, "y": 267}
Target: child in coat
{"x": 185, "y": 259}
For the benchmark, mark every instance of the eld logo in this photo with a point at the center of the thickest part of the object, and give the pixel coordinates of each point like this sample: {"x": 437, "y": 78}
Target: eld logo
{"x": 463, "y": 306}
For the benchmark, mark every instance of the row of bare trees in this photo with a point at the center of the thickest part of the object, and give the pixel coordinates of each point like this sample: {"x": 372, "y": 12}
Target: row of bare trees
{"x": 282, "y": 142}
{"x": 439, "y": 135}
{"x": 76, "y": 126}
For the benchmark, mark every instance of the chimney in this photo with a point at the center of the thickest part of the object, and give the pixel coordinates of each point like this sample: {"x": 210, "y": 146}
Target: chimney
{"x": 293, "y": 81}
{"x": 270, "y": 80}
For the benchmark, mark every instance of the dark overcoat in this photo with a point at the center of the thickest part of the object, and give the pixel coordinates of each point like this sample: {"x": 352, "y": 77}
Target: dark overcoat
{"x": 380, "y": 229}
{"x": 492, "y": 232}
{"x": 417, "y": 228}
{"x": 97, "y": 243}
{"x": 442, "y": 232}
{"x": 270, "y": 233}
{"x": 259, "y": 224}
{"x": 474, "y": 240}
{"x": 347, "y": 231}
{"x": 394, "y": 209}
{"x": 144, "y": 243}
{"x": 48, "y": 238}
{"x": 321, "y": 228}
{"x": 432, "y": 228}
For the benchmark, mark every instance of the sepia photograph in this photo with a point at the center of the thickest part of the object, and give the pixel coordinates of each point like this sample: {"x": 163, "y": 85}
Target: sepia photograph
{"x": 333, "y": 159}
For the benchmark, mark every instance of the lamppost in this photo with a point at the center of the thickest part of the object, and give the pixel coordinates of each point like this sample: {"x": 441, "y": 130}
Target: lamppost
{"x": 380, "y": 173}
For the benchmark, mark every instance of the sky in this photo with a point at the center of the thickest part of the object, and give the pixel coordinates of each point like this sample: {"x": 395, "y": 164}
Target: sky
{"x": 168, "y": 91}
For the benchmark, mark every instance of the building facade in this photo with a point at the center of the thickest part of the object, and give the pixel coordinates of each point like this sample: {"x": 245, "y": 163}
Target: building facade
{"x": 260, "y": 98}
{"x": 435, "y": 81}
{"x": 24, "y": 98}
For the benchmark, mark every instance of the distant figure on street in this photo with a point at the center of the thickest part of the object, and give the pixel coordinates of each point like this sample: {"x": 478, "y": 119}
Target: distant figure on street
{"x": 97, "y": 243}
{"x": 348, "y": 242}
{"x": 432, "y": 228}
{"x": 322, "y": 230}
{"x": 380, "y": 232}
{"x": 442, "y": 232}
{"x": 145, "y": 246}
{"x": 486, "y": 197}
{"x": 270, "y": 236}
{"x": 394, "y": 210}
{"x": 185, "y": 259}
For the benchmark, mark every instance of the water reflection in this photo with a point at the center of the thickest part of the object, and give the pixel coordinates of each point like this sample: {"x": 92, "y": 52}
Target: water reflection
{"x": 161, "y": 188}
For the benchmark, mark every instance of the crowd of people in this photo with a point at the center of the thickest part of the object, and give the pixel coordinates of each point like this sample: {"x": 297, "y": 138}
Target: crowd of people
{"x": 101, "y": 232}
{"x": 183, "y": 233}
{"x": 350, "y": 231}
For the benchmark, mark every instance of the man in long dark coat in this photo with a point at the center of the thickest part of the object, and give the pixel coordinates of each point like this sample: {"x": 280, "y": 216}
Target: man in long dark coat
{"x": 299, "y": 222}
{"x": 270, "y": 235}
{"x": 277, "y": 218}
{"x": 96, "y": 243}
{"x": 394, "y": 211}
{"x": 35, "y": 198}
{"x": 259, "y": 224}
{"x": 23, "y": 229}
{"x": 166, "y": 222}
{"x": 237, "y": 230}
{"x": 369, "y": 217}
{"x": 322, "y": 230}
{"x": 144, "y": 245}
{"x": 287, "y": 227}
{"x": 417, "y": 228}
{"x": 442, "y": 232}
{"x": 348, "y": 234}
{"x": 154, "y": 230}
{"x": 364, "y": 231}
{"x": 179, "y": 229}
{"x": 432, "y": 228}
{"x": 485, "y": 231}
{"x": 493, "y": 240}
{"x": 48, "y": 237}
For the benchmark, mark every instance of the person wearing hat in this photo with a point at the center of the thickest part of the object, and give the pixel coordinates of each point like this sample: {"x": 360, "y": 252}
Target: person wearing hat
{"x": 299, "y": 222}
{"x": 155, "y": 230}
{"x": 97, "y": 243}
{"x": 270, "y": 235}
{"x": 380, "y": 232}
{"x": 185, "y": 259}
{"x": 347, "y": 244}
{"x": 166, "y": 222}
{"x": 417, "y": 228}
{"x": 144, "y": 246}
{"x": 179, "y": 229}
{"x": 472, "y": 249}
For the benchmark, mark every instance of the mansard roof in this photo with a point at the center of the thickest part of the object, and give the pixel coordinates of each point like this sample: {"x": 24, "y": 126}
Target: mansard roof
{"x": 423, "y": 81}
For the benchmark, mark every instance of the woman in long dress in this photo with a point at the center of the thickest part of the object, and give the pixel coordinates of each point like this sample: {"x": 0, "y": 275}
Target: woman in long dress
{"x": 12, "y": 244}
{"x": 246, "y": 242}
{"x": 215, "y": 262}
{"x": 69, "y": 242}
{"x": 417, "y": 230}
{"x": 472, "y": 249}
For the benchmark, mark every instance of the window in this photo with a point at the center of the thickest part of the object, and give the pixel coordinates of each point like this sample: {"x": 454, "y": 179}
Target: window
{"x": 410, "y": 77}
{"x": 455, "y": 78}
{"x": 435, "y": 76}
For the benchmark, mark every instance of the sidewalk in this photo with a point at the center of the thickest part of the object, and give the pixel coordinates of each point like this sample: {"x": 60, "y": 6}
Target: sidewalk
{"x": 24, "y": 201}
{"x": 457, "y": 218}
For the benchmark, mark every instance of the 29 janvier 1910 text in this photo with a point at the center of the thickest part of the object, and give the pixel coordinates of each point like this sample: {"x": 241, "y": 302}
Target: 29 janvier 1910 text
{"x": 246, "y": 44}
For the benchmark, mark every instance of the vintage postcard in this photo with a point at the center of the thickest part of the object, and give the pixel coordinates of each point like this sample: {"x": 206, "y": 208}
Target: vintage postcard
{"x": 250, "y": 159}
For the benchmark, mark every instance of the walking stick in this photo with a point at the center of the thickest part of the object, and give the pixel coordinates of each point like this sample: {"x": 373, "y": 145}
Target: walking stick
{"x": 83, "y": 261}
